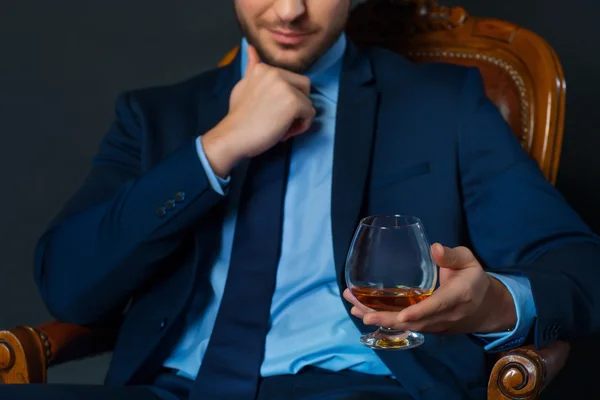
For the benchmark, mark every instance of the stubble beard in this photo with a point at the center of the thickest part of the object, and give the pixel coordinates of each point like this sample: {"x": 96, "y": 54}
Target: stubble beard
{"x": 301, "y": 65}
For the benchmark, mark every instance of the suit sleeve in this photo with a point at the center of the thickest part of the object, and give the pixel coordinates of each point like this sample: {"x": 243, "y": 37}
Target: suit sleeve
{"x": 520, "y": 225}
{"x": 112, "y": 234}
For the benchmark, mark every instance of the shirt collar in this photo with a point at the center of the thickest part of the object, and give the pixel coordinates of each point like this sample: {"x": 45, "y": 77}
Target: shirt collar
{"x": 324, "y": 74}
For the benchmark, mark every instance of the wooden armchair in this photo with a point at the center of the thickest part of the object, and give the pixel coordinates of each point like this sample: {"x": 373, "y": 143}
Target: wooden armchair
{"x": 523, "y": 76}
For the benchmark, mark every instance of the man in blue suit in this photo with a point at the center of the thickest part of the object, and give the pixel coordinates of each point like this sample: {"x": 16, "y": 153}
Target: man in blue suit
{"x": 214, "y": 225}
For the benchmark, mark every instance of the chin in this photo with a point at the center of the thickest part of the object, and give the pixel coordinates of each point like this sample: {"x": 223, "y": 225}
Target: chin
{"x": 298, "y": 62}
{"x": 294, "y": 66}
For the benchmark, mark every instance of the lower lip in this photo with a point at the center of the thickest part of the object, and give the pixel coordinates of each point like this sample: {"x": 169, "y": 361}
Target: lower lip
{"x": 288, "y": 39}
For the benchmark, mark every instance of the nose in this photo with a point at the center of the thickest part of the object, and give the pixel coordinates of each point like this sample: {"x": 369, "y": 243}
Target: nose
{"x": 289, "y": 10}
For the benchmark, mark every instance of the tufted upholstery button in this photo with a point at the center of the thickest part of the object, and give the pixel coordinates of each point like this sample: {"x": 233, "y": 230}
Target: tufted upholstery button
{"x": 170, "y": 205}
{"x": 161, "y": 212}
{"x": 163, "y": 323}
{"x": 179, "y": 197}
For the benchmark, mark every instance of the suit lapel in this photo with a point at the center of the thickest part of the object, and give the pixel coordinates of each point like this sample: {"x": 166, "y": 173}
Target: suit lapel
{"x": 355, "y": 125}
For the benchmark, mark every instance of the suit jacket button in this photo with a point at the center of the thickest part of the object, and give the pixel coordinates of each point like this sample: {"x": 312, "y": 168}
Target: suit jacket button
{"x": 170, "y": 205}
{"x": 161, "y": 212}
{"x": 163, "y": 324}
{"x": 556, "y": 330}
{"x": 179, "y": 197}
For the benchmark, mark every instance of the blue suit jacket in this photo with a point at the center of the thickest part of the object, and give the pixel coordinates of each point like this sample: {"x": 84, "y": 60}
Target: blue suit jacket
{"x": 414, "y": 139}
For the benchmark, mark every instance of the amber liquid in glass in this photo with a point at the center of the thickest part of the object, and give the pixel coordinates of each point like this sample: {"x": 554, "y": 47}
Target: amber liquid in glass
{"x": 389, "y": 299}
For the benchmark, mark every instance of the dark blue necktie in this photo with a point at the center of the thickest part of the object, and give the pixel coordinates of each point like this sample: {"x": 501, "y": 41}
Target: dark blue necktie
{"x": 231, "y": 365}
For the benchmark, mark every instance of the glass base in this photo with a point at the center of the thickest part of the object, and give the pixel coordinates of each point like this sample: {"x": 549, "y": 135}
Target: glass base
{"x": 391, "y": 339}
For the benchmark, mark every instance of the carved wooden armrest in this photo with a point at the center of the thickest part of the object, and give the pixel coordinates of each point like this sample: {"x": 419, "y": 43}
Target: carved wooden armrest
{"x": 26, "y": 353}
{"x": 524, "y": 372}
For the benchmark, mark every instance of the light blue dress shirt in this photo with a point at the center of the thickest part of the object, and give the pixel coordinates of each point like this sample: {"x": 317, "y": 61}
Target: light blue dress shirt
{"x": 309, "y": 324}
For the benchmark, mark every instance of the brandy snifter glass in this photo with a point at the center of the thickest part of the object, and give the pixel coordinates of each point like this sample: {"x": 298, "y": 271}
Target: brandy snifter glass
{"x": 390, "y": 267}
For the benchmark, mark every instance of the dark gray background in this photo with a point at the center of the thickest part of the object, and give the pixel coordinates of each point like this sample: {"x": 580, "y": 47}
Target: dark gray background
{"x": 62, "y": 63}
